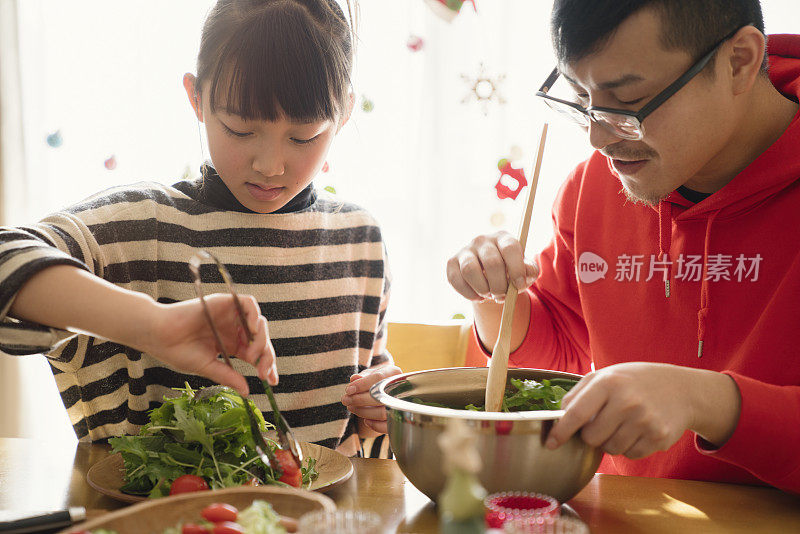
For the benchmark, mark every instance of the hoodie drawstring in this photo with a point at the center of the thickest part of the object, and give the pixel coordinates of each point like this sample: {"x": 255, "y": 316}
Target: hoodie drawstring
{"x": 705, "y": 303}
{"x": 665, "y": 240}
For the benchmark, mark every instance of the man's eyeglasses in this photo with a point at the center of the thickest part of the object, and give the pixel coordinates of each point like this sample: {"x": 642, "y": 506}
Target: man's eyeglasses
{"x": 623, "y": 123}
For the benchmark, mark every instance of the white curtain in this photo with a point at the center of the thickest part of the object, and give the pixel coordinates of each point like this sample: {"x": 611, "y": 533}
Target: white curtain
{"x": 10, "y": 165}
{"x": 106, "y": 75}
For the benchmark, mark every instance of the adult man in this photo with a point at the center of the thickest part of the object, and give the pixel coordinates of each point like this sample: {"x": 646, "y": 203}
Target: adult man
{"x": 681, "y": 286}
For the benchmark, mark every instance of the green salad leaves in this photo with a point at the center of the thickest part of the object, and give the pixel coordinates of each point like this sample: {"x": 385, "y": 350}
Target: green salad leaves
{"x": 207, "y": 437}
{"x": 532, "y": 395}
{"x": 529, "y": 395}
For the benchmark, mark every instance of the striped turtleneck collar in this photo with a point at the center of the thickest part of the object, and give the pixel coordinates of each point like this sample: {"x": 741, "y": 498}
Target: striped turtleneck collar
{"x": 212, "y": 191}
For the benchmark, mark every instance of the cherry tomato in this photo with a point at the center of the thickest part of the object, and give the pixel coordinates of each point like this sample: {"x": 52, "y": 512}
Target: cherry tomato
{"x": 228, "y": 527}
{"x": 290, "y": 470}
{"x": 187, "y": 483}
{"x": 253, "y": 482}
{"x": 219, "y": 512}
{"x": 193, "y": 528}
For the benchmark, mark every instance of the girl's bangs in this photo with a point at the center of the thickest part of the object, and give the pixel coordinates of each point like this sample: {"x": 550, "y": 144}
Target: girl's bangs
{"x": 280, "y": 66}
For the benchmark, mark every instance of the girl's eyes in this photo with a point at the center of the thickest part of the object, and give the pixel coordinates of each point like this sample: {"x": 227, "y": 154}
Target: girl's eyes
{"x": 235, "y": 133}
{"x": 305, "y": 141}
{"x": 295, "y": 140}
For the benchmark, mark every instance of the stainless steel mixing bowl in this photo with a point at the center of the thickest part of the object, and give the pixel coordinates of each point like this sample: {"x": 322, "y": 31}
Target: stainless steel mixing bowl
{"x": 511, "y": 445}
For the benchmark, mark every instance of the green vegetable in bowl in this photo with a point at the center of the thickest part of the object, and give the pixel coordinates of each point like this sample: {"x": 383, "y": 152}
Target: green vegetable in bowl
{"x": 260, "y": 518}
{"x": 209, "y": 438}
{"x": 530, "y": 395}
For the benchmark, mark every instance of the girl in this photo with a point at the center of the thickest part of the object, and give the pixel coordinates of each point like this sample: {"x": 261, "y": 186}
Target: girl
{"x": 272, "y": 89}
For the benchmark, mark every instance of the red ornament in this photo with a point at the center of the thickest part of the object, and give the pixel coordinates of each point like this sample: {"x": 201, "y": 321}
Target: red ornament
{"x": 448, "y": 9}
{"x": 455, "y": 5}
{"x": 325, "y": 167}
{"x": 110, "y": 163}
{"x": 503, "y": 191}
{"x": 415, "y": 43}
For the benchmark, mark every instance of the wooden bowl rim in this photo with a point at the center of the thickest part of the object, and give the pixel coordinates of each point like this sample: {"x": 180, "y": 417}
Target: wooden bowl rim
{"x": 214, "y": 496}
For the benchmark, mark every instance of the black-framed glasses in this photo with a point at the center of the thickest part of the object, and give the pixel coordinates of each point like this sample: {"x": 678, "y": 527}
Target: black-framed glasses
{"x": 621, "y": 122}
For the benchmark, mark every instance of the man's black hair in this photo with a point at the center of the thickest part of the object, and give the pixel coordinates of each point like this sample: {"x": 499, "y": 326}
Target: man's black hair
{"x": 581, "y": 27}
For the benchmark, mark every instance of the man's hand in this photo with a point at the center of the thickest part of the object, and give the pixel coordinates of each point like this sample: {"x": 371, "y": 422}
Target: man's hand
{"x": 638, "y": 408}
{"x": 360, "y": 402}
{"x": 483, "y": 269}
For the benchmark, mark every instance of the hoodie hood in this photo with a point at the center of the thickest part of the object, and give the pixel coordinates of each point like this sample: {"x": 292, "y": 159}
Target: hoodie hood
{"x": 770, "y": 172}
{"x": 767, "y": 175}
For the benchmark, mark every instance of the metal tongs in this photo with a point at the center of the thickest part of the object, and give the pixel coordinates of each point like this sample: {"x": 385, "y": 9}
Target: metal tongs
{"x": 286, "y": 437}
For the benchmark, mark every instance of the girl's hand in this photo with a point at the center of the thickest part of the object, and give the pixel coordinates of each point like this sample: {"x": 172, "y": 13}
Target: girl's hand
{"x": 360, "y": 402}
{"x": 483, "y": 269}
{"x": 180, "y": 335}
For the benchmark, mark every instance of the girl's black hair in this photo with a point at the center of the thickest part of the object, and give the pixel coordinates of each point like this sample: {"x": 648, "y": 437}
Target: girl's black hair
{"x": 265, "y": 58}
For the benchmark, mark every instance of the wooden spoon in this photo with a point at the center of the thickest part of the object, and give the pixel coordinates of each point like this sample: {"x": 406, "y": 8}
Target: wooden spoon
{"x": 498, "y": 368}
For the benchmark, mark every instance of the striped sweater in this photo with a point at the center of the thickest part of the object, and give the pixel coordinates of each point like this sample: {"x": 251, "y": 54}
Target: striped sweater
{"x": 319, "y": 274}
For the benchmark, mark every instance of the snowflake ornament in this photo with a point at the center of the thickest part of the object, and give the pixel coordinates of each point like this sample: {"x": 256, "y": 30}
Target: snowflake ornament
{"x": 484, "y": 89}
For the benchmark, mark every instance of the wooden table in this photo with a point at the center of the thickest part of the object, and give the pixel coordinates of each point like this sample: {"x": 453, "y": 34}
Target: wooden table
{"x": 37, "y": 476}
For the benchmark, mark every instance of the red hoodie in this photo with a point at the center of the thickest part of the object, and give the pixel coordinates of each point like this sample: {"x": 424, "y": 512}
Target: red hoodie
{"x": 744, "y": 314}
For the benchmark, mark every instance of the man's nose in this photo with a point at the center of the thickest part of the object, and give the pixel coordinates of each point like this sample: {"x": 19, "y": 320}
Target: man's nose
{"x": 601, "y": 136}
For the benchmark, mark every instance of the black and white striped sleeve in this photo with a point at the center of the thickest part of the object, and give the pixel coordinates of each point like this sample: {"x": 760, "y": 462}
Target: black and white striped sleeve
{"x": 61, "y": 239}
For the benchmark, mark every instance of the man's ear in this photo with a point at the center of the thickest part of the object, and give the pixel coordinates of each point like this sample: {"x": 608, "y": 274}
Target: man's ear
{"x": 193, "y": 92}
{"x": 348, "y": 112}
{"x": 746, "y": 57}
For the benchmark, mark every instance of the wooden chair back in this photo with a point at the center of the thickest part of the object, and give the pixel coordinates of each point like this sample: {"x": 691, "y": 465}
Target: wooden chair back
{"x": 416, "y": 347}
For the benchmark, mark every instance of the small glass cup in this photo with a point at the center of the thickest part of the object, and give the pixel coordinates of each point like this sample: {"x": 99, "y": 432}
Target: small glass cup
{"x": 501, "y": 507}
{"x": 340, "y": 522}
{"x": 545, "y": 525}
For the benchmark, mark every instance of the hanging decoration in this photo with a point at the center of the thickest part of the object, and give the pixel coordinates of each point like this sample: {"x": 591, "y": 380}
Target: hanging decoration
{"x": 330, "y": 189}
{"x": 54, "y": 139}
{"x": 484, "y": 89}
{"x": 367, "y": 105}
{"x": 498, "y": 219}
{"x": 187, "y": 173}
{"x": 448, "y": 9}
{"x": 415, "y": 43}
{"x": 511, "y": 181}
{"x": 111, "y": 163}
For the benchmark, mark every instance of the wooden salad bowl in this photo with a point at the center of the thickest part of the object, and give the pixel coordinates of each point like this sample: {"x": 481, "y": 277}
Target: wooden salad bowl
{"x": 155, "y": 515}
